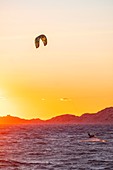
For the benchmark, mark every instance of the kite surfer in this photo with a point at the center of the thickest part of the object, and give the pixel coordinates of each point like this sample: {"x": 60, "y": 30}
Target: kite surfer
{"x": 91, "y": 136}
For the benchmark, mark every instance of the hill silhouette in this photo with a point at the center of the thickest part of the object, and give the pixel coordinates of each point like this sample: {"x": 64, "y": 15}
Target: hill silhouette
{"x": 104, "y": 116}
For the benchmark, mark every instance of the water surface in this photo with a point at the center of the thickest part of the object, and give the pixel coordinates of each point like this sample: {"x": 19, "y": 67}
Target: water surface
{"x": 55, "y": 147}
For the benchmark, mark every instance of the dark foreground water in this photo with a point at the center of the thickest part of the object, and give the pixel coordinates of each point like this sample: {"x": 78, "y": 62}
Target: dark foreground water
{"x": 55, "y": 147}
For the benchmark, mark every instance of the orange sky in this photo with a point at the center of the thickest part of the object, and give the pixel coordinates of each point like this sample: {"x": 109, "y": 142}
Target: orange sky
{"x": 72, "y": 74}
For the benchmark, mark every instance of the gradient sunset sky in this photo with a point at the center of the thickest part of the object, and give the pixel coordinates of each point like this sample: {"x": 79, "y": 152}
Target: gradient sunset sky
{"x": 73, "y": 74}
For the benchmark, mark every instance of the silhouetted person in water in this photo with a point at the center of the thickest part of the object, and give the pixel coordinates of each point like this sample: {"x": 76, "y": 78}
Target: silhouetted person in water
{"x": 91, "y": 136}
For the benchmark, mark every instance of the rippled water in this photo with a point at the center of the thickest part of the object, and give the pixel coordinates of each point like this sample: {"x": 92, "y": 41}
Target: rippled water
{"x": 55, "y": 147}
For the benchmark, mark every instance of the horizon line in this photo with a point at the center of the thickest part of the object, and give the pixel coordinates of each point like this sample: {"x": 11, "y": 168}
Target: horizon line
{"x": 54, "y": 116}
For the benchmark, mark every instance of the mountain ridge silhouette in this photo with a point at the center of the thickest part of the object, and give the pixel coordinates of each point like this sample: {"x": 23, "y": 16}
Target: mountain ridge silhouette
{"x": 104, "y": 116}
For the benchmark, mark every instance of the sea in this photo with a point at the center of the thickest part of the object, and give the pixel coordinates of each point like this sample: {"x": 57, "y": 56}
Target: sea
{"x": 55, "y": 147}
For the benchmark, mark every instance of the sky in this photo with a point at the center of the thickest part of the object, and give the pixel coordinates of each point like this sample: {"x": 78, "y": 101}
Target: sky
{"x": 73, "y": 74}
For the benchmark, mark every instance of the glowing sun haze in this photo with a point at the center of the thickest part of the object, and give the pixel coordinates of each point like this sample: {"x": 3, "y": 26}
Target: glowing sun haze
{"x": 72, "y": 74}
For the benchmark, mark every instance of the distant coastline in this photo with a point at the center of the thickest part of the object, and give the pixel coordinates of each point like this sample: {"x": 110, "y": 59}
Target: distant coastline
{"x": 104, "y": 116}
